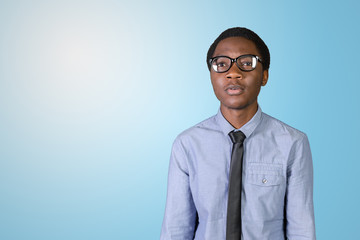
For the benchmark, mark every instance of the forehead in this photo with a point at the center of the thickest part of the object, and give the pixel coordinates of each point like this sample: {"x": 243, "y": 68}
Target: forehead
{"x": 235, "y": 46}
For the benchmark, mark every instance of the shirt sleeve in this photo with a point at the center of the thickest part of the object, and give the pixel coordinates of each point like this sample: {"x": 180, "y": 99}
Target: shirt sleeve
{"x": 180, "y": 212}
{"x": 299, "y": 208}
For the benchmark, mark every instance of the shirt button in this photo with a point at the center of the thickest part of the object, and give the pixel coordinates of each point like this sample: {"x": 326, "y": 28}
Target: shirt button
{"x": 264, "y": 180}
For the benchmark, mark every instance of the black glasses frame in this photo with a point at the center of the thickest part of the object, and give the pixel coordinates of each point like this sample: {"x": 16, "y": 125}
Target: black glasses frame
{"x": 235, "y": 60}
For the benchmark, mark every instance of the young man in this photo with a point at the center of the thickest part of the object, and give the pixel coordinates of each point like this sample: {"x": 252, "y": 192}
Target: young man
{"x": 240, "y": 174}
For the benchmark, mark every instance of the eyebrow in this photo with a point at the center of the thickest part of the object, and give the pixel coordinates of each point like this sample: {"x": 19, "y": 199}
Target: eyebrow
{"x": 236, "y": 57}
{"x": 227, "y": 50}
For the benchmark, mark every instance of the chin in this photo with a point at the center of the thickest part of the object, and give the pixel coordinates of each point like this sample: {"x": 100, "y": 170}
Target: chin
{"x": 235, "y": 107}
{"x": 239, "y": 105}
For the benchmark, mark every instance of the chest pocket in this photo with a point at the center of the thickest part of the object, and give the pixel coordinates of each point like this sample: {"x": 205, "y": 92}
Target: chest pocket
{"x": 265, "y": 174}
{"x": 264, "y": 190}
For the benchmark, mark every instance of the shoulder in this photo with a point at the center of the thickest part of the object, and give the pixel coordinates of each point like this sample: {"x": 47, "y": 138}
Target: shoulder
{"x": 199, "y": 131}
{"x": 277, "y": 128}
{"x": 291, "y": 142}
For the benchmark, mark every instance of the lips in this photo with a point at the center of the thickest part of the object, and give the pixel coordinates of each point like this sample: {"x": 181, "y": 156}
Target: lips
{"x": 234, "y": 90}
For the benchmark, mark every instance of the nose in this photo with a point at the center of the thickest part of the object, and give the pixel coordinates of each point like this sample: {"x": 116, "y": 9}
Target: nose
{"x": 234, "y": 72}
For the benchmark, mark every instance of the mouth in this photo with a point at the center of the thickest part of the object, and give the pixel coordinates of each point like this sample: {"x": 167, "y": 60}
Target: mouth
{"x": 234, "y": 90}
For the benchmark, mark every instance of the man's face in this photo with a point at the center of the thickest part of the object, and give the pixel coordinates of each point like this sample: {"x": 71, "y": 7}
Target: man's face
{"x": 235, "y": 88}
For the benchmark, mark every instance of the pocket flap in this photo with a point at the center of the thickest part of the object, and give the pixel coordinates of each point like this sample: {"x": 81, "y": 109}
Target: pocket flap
{"x": 264, "y": 179}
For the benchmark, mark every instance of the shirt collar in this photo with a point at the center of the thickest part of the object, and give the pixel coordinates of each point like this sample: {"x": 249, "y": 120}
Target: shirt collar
{"x": 247, "y": 129}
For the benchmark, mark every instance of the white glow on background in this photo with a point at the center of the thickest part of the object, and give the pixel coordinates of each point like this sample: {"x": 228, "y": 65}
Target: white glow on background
{"x": 69, "y": 59}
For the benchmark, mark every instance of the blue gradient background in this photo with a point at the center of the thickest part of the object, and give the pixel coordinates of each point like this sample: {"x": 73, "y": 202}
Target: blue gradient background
{"x": 84, "y": 84}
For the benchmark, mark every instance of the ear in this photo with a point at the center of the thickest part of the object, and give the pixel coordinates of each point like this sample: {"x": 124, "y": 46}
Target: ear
{"x": 265, "y": 77}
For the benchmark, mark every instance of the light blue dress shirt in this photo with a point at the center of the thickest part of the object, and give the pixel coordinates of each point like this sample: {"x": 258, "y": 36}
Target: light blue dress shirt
{"x": 277, "y": 195}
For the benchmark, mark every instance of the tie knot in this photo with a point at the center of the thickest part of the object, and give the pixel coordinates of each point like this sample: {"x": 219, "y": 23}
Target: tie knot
{"x": 237, "y": 137}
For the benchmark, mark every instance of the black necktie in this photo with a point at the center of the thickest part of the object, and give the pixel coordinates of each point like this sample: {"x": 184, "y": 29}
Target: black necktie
{"x": 233, "y": 224}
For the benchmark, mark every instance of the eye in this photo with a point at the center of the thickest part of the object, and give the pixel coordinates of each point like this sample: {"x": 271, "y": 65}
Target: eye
{"x": 221, "y": 64}
{"x": 246, "y": 63}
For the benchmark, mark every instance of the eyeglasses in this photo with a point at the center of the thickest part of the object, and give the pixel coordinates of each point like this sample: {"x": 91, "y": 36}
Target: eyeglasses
{"x": 246, "y": 63}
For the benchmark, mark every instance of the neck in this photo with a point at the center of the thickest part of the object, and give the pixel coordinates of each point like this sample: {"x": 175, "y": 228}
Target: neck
{"x": 238, "y": 117}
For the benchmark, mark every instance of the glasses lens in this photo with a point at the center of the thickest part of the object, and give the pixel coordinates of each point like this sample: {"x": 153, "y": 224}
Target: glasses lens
{"x": 221, "y": 64}
{"x": 247, "y": 63}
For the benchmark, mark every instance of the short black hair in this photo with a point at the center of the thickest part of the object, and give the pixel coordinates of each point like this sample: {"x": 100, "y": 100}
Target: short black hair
{"x": 245, "y": 33}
